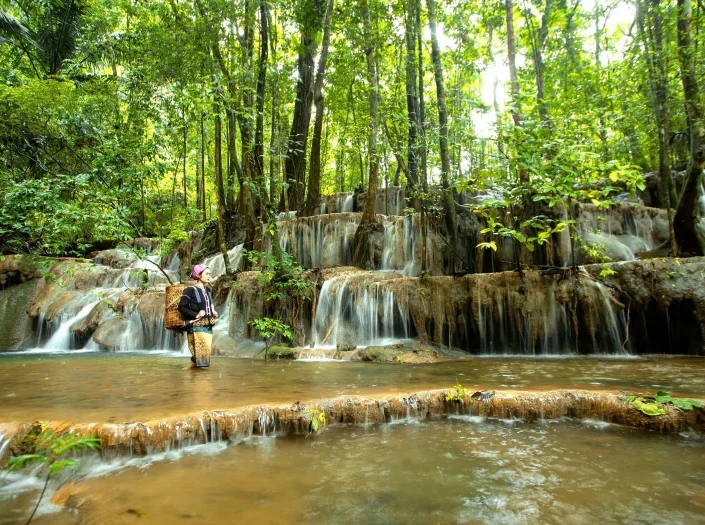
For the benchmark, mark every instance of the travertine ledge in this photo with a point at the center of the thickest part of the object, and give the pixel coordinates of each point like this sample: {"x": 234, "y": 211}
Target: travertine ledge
{"x": 141, "y": 438}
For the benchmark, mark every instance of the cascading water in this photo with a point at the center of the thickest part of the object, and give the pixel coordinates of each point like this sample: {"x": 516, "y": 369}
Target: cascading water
{"x": 63, "y": 338}
{"x": 217, "y": 266}
{"x": 354, "y": 312}
{"x": 401, "y": 236}
{"x": 320, "y": 241}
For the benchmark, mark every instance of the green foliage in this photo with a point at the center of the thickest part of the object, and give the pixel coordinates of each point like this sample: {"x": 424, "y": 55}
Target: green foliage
{"x": 458, "y": 394}
{"x": 318, "y": 419}
{"x": 654, "y": 405}
{"x": 45, "y": 446}
{"x": 541, "y": 227}
{"x": 606, "y": 272}
{"x": 594, "y": 253}
{"x": 284, "y": 274}
{"x": 48, "y": 447}
{"x": 268, "y": 329}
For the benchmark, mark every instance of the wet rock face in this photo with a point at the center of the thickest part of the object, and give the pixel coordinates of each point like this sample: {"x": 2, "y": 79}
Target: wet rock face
{"x": 665, "y": 299}
{"x": 381, "y": 354}
{"x": 17, "y": 269}
{"x": 529, "y": 313}
{"x": 621, "y": 231}
{"x": 16, "y": 327}
{"x": 141, "y": 438}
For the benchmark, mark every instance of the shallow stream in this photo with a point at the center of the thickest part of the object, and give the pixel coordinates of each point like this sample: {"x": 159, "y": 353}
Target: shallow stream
{"x": 100, "y": 387}
{"x": 455, "y": 470}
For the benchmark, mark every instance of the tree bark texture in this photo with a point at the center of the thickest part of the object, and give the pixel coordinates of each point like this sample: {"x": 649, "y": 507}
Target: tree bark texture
{"x": 295, "y": 164}
{"x": 314, "y": 178}
{"x": 448, "y": 201}
{"x": 689, "y": 237}
{"x": 368, "y": 224}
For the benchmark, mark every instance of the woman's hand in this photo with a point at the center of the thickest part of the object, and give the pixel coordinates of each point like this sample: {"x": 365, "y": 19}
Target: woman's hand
{"x": 214, "y": 315}
{"x": 200, "y": 314}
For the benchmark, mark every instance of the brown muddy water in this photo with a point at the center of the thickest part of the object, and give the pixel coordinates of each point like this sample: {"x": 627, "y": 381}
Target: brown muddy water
{"x": 456, "y": 470}
{"x": 90, "y": 387}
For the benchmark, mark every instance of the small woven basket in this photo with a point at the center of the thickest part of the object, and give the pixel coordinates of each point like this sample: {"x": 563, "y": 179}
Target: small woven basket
{"x": 173, "y": 320}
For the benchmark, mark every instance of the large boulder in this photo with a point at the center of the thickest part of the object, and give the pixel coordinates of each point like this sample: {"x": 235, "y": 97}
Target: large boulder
{"x": 16, "y": 326}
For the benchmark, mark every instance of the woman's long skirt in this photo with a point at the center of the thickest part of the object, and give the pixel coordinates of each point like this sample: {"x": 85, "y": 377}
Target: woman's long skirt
{"x": 199, "y": 343}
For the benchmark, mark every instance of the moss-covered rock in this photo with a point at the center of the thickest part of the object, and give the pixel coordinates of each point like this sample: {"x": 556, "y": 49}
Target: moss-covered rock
{"x": 399, "y": 354}
{"x": 279, "y": 352}
{"x": 15, "y": 325}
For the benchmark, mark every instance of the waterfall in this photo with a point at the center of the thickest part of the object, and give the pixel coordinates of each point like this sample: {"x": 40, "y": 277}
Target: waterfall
{"x": 347, "y": 204}
{"x": 399, "y": 248}
{"x": 142, "y": 334}
{"x": 320, "y": 241}
{"x": 217, "y": 266}
{"x": 357, "y": 313}
{"x": 63, "y": 338}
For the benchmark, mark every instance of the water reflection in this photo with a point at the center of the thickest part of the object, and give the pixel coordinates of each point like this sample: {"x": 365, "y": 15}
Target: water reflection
{"x": 119, "y": 388}
{"x": 461, "y": 470}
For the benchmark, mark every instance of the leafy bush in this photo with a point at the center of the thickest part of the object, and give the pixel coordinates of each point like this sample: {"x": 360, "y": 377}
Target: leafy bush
{"x": 654, "y": 405}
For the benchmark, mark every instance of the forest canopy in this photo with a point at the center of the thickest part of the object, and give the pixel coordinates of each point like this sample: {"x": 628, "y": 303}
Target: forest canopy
{"x": 124, "y": 118}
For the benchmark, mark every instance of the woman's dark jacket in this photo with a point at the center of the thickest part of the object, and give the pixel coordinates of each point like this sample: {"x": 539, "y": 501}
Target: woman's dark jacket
{"x": 194, "y": 300}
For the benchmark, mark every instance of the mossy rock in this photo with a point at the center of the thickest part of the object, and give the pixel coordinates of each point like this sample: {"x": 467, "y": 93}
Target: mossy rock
{"x": 279, "y": 352}
{"x": 398, "y": 354}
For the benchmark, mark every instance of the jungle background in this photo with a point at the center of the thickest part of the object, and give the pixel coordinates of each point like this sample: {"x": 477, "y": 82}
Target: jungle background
{"x": 133, "y": 118}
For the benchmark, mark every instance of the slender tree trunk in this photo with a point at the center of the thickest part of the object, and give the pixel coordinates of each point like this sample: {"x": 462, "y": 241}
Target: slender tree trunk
{"x": 233, "y": 163}
{"x": 448, "y": 201}
{"x": 364, "y": 256}
{"x": 423, "y": 145}
{"x": 295, "y": 164}
{"x": 412, "y": 99}
{"x": 202, "y": 185}
{"x": 649, "y": 24}
{"x": 688, "y": 235}
{"x": 185, "y": 181}
{"x": 219, "y": 189}
{"x": 314, "y": 179}
{"x": 511, "y": 57}
{"x": 513, "y": 80}
{"x": 538, "y": 44}
{"x": 259, "y": 109}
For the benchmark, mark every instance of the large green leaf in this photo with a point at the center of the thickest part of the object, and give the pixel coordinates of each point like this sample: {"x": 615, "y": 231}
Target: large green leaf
{"x": 650, "y": 409}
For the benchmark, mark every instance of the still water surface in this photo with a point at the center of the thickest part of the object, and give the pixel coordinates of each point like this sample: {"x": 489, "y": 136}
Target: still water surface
{"x": 127, "y": 387}
{"x": 457, "y": 470}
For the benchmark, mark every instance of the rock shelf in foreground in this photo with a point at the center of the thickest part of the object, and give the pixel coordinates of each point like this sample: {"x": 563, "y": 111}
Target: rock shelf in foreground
{"x": 141, "y": 438}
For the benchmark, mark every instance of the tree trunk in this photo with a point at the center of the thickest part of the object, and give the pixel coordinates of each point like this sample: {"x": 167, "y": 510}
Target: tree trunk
{"x": 364, "y": 256}
{"x": 423, "y": 145}
{"x": 185, "y": 156}
{"x": 259, "y": 109}
{"x": 412, "y": 99}
{"x": 448, "y": 201}
{"x": 314, "y": 179}
{"x": 513, "y": 80}
{"x": 233, "y": 164}
{"x": 295, "y": 164}
{"x": 201, "y": 188}
{"x": 220, "y": 191}
{"x": 688, "y": 235}
{"x": 538, "y": 45}
{"x": 653, "y": 51}
{"x": 511, "y": 57}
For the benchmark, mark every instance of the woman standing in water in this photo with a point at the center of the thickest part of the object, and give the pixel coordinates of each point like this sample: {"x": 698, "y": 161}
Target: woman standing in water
{"x": 196, "y": 305}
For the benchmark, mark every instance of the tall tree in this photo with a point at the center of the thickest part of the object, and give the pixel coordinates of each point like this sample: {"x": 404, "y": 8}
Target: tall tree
{"x": 412, "y": 98}
{"x": 310, "y": 19}
{"x": 649, "y": 21}
{"x": 364, "y": 256}
{"x": 448, "y": 201}
{"x": 314, "y": 178}
{"x": 689, "y": 237}
{"x": 219, "y": 189}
